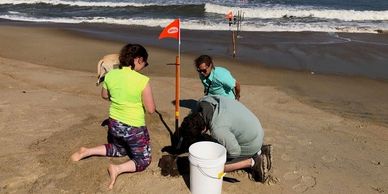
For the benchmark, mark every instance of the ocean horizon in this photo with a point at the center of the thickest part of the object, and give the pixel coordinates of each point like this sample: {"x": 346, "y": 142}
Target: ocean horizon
{"x": 356, "y": 16}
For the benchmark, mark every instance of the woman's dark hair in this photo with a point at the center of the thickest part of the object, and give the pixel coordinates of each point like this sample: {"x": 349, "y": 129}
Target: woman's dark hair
{"x": 128, "y": 54}
{"x": 203, "y": 59}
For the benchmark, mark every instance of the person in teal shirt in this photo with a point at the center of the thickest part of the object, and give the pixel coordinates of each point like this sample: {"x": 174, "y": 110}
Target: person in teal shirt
{"x": 216, "y": 80}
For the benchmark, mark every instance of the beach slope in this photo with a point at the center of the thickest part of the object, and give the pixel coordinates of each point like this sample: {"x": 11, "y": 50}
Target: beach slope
{"x": 49, "y": 110}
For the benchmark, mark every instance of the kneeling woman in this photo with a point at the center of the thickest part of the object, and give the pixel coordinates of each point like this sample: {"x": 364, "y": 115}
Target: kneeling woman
{"x": 129, "y": 91}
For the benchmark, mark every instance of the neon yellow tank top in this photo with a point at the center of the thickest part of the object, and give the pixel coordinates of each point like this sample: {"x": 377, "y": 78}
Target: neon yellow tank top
{"x": 125, "y": 87}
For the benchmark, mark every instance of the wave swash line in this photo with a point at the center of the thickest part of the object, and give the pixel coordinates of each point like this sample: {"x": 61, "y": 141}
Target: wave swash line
{"x": 76, "y": 3}
{"x": 268, "y": 12}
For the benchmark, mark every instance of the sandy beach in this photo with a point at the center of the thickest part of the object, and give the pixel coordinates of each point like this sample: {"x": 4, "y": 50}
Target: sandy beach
{"x": 329, "y": 132}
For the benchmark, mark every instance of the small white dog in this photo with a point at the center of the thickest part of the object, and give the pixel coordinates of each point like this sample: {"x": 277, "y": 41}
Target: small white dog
{"x": 107, "y": 63}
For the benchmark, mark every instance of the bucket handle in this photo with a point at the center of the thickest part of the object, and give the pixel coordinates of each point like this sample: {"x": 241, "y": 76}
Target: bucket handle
{"x": 219, "y": 176}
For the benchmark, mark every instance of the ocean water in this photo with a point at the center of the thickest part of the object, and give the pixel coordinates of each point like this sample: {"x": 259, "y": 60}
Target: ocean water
{"x": 363, "y": 16}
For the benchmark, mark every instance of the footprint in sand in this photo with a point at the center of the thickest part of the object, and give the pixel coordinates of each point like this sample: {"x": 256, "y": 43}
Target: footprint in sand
{"x": 327, "y": 158}
{"x": 300, "y": 188}
{"x": 305, "y": 183}
{"x": 293, "y": 175}
{"x": 309, "y": 181}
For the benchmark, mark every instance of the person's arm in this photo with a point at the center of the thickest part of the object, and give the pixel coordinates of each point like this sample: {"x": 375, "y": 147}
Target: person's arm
{"x": 229, "y": 81}
{"x": 105, "y": 94}
{"x": 237, "y": 90}
{"x": 148, "y": 99}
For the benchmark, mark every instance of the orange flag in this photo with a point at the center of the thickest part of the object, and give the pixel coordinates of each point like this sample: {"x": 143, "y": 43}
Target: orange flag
{"x": 171, "y": 31}
{"x": 229, "y": 15}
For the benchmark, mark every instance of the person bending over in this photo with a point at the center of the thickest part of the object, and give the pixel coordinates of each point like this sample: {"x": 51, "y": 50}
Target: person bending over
{"x": 235, "y": 127}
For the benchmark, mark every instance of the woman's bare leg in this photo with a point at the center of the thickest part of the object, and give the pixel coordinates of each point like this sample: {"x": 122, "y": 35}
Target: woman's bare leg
{"x": 116, "y": 170}
{"x": 85, "y": 152}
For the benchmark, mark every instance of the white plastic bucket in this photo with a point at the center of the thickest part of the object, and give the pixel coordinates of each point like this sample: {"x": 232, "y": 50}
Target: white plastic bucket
{"x": 207, "y": 160}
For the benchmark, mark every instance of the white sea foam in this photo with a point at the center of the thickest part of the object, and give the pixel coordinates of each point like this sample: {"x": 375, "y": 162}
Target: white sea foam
{"x": 280, "y": 11}
{"x": 77, "y": 3}
{"x": 202, "y": 25}
{"x": 14, "y": 12}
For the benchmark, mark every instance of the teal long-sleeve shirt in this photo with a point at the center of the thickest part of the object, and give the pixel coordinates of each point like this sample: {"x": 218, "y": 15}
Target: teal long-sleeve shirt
{"x": 235, "y": 126}
{"x": 220, "y": 82}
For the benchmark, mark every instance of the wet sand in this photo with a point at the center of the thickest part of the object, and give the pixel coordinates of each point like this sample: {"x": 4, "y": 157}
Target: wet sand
{"x": 330, "y": 132}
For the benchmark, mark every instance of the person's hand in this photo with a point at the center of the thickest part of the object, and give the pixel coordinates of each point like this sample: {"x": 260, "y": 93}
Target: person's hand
{"x": 238, "y": 97}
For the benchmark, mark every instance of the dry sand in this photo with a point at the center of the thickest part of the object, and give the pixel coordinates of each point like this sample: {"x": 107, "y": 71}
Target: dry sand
{"x": 330, "y": 134}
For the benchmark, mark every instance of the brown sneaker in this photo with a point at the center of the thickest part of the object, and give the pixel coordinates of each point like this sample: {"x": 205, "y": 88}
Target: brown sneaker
{"x": 260, "y": 169}
{"x": 267, "y": 151}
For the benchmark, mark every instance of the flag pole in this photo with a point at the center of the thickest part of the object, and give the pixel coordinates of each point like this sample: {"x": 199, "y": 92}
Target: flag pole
{"x": 177, "y": 81}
